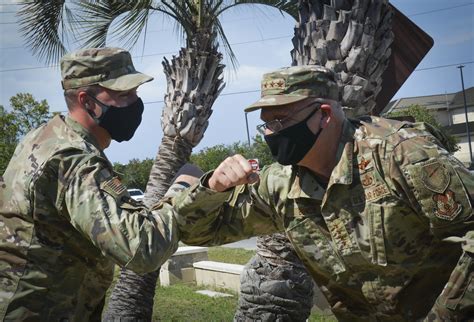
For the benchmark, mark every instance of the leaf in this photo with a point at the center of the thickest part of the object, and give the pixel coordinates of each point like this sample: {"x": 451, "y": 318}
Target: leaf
{"x": 43, "y": 26}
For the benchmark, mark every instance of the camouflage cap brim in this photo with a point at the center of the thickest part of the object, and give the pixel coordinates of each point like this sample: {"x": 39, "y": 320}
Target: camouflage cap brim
{"x": 275, "y": 101}
{"x": 126, "y": 82}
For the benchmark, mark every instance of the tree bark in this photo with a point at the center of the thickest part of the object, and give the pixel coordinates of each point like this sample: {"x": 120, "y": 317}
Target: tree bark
{"x": 353, "y": 38}
{"x": 194, "y": 81}
{"x": 274, "y": 284}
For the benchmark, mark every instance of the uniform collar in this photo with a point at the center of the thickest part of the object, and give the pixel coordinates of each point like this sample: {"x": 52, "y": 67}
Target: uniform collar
{"x": 305, "y": 184}
{"x": 81, "y": 131}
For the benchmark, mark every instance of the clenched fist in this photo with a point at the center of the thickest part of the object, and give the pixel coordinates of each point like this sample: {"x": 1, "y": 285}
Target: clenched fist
{"x": 233, "y": 171}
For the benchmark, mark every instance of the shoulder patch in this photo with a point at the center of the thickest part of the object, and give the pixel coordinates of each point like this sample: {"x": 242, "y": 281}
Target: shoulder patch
{"x": 114, "y": 187}
{"x": 446, "y": 206}
{"x": 435, "y": 177}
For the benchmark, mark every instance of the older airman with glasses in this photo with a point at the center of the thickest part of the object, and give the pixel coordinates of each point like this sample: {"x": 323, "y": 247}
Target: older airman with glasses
{"x": 376, "y": 209}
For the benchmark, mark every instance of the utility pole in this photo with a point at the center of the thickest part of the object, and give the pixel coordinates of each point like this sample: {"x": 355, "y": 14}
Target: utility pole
{"x": 467, "y": 120}
{"x": 247, "y": 124}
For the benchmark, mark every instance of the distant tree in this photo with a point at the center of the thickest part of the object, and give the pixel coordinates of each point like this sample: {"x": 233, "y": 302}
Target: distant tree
{"x": 26, "y": 114}
{"x": 8, "y": 140}
{"x": 209, "y": 158}
{"x": 422, "y": 114}
{"x": 261, "y": 151}
{"x": 135, "y": 173}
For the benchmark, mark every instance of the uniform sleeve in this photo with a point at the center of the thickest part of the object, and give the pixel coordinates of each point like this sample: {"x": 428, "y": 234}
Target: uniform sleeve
{"x": 206, "y": 217}
{"x": 123, "y": 229}
{"x": 441, "y": 190}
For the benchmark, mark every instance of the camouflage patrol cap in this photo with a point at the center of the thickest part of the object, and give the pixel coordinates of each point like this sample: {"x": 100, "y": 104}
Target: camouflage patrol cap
{"x": 111, "y": 68}
{"x": 294, "y": 84}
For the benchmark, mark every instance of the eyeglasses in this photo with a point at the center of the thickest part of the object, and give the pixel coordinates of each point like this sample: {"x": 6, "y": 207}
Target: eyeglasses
{"x": 278, "y": 125}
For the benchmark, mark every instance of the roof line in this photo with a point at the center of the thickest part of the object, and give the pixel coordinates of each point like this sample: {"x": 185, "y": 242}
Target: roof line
{"x": 454, "y": 93}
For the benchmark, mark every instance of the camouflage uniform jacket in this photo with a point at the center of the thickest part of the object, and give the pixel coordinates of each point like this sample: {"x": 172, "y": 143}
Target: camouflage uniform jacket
{"x": 64, "y": 220}
{"x": 373, "y": 240}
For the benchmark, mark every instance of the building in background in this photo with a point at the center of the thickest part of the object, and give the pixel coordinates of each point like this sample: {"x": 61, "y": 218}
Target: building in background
{"x": 448, "y": 109}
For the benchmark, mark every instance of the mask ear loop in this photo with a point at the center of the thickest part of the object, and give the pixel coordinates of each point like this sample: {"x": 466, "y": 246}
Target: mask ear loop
{"x": 90, "y": 112}
{"x": 104, "y": 108}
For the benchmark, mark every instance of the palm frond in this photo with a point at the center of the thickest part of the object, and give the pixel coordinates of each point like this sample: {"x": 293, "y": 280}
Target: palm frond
{"x": 131, "y": 20}
{"x": 216, "y": 8}
{"x": 288, "y": 6}
{"x": 43, "y": 26}
{"x": 226, "y": 44}
{"x": 185, "y": 13}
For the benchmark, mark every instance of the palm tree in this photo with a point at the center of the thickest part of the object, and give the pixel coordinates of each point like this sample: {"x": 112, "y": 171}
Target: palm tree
{"x": 353, "y": 38}
{"x": 194, "y": 79}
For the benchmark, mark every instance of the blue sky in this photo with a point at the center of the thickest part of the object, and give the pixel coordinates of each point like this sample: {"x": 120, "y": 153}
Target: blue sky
{"x": 262, "y": 42}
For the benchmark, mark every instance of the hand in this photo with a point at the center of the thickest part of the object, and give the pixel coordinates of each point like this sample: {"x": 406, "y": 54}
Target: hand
{"x": 233, "y": 171}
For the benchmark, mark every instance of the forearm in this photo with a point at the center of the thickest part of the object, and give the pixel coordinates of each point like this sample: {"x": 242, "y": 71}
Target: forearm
{"x": 197, "y": 211}
{"x": 207, "y": 217}
{"x": 124, "y": 230}
{"x": 158, "y": 239}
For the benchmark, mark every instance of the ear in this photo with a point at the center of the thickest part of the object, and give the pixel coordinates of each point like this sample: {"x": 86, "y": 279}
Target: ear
{"x": 87, "y": 103}
{"x": 327, "y": 114}
{"x": 83, "y": 99}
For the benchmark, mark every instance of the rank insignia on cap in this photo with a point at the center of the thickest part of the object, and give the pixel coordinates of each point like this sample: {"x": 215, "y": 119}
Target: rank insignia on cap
{"x": 114, "y": 187}
{"x": 446, "y": 207}
{"x": 278, "y": 83}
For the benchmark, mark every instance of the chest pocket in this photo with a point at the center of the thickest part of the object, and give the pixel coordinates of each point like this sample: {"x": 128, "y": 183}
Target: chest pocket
{"x": 315, "y": 246}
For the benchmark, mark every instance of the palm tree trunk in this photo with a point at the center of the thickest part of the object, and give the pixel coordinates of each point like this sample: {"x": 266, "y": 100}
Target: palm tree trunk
{"x": 194, "y": 82}
{"x": 132, "y": 297}
{"x": 353, "y": 38}
{"x": 275, "y": 285}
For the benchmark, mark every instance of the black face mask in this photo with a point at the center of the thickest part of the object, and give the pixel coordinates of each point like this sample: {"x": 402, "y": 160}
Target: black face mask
{"x": 120, "y": 122}
{"x": 290, "y": 145}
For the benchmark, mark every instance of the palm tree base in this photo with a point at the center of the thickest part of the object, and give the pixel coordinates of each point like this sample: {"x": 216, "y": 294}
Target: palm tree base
{"x": 275, "y": 285}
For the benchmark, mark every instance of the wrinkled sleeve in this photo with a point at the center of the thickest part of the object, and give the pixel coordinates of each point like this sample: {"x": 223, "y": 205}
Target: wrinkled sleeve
{"x": 123, "y": 229}
{"x": 441, "y": 190}
{"x": 207, "y": 217}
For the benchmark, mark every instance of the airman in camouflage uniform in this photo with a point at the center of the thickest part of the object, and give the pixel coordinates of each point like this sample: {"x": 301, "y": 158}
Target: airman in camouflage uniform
{"x": 65, "y": 217}
{"x": 377, "y": 210}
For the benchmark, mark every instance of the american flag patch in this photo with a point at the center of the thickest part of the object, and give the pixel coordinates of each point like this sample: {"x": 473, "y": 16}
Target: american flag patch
{"x": 114, "y": 186}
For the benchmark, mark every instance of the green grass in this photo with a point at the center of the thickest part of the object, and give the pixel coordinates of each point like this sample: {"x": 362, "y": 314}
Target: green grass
{"x": 230, "y": 255}
{"x": 180, "y": 302}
